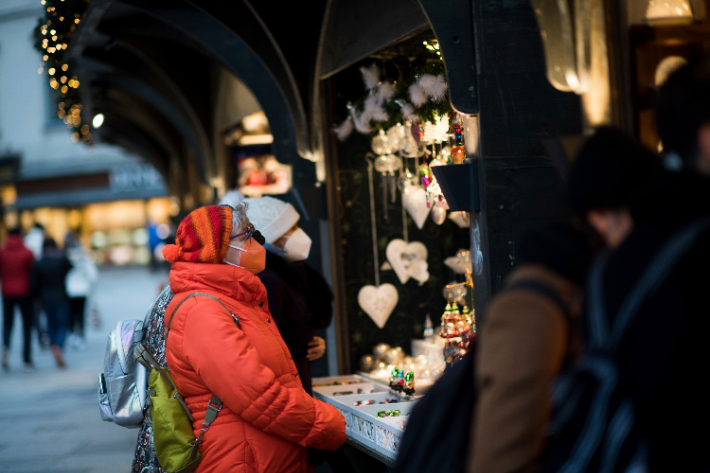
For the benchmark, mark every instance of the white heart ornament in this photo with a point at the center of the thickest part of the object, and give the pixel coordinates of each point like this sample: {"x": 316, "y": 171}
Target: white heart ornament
{"x": 460, "y": 219}
{"x": 414, "y": 200}
{"x": 408, "y": 260}
{"x": 378, "y": 302}
{"x": 419, "y": 270}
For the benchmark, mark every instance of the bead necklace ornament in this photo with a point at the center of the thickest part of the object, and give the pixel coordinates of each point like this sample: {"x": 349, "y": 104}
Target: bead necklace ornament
{"x": 376, "y": 301}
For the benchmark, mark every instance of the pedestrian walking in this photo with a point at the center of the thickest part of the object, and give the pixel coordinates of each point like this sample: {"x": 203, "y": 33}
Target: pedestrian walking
{"x": 49, "y": 285}
{"x": 34, "y": 241}
{"x": 81, "y": 281}
{"x": 267, "y": 420}
{"x": 16, "y": 262}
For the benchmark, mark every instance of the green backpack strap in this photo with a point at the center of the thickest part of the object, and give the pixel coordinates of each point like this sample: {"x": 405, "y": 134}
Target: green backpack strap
{"x": 215, "y": 404}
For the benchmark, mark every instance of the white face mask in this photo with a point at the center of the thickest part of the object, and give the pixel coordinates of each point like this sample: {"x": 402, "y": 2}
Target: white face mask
{"x": 297, "y": 246}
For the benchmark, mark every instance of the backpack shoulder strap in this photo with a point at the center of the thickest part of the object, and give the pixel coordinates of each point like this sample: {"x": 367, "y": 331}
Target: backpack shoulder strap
{"x": 656, "y": 272}
{"x": 195, "y": 294}
{"x": 652, "y": 277}
{"x": 543, "y": 289}
{"x": 214, "y": 405}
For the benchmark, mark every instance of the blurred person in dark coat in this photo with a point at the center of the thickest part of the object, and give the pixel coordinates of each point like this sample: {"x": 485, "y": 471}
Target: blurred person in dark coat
{"x": 665, "y": 353}
{"x": 16, "y": 262}
{"x": 531, "y": 327}
{"x": 49, "y": 285}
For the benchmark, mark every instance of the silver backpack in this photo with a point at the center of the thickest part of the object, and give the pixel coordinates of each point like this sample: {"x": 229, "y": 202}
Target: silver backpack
{"x": 123, "y": 384}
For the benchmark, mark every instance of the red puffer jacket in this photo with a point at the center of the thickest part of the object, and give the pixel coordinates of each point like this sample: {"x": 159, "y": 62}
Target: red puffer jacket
{"x": 267, "y": 420}
{"x": 15, "y": 267}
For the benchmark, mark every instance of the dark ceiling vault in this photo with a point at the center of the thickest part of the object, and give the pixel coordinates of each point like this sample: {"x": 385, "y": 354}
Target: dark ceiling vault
{"x": 162, "y": 57}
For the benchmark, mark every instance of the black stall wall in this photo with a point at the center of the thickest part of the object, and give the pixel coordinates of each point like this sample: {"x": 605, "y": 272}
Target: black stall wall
{"x": 518, "y": 110}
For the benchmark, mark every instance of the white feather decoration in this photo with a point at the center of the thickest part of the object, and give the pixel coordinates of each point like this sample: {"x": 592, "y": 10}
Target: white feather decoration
{"x": 428, "y": 83}
{"x": 361, "y": 122}
{"x": 370, "y": 75}
{"x": 345, "y": 129}
{"x": 417, "y": 94}
{"x": 439, "y": 92}
{"x": 385, "y": 93}
{"x": 363, "y": 126}
{"x": 408, "y": 112}
{"x": 373, "y": 110}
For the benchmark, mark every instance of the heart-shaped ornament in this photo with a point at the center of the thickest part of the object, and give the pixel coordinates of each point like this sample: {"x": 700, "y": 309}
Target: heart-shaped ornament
{"x": 408, "y": 260}
{"x": 414, "y": 200}
{"x": 419, "y": 270}
{"x": 460, "y": 218}
{"x": 378, "y": 302}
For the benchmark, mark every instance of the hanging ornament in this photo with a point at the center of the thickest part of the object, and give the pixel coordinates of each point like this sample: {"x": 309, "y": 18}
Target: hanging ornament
{"x": 395, "y": 136}
{"x": 377, "y": 301}
{"x": 433, "y": 190}
{"x": 410, "y": 146}
{"x": 409, "y": 260}
{"x": 462, "y": 219}
{"x": 436, "y": 132}
{"x": 381, "y": 144}
{"x": 438, "y": 213}
{"x": 460, "y": 262}
{"x": 415, "y": 202}
{"x": 458, "y": 153}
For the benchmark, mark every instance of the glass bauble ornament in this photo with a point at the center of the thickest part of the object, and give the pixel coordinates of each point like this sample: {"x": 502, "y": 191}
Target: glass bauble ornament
{"x": 380, "y": 144}
{"x": 367, "y": 363}
{"x": 395, "y": 136}
{"x": 380, "y": 350}
{"x": 458, "y": 154}
{"x": 409, "y": 147}
{"x": 388, "y": 164}
{"x": 394, "y": 355}
{"x": 438, "y": 213}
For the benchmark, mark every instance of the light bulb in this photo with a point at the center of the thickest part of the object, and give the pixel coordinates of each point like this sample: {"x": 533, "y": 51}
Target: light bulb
{"x": 98, "y": 120}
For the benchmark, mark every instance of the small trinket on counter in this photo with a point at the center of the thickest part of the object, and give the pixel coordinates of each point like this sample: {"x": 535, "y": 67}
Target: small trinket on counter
{"x": 409, "y": 383}
{"x": 342, "y": 393}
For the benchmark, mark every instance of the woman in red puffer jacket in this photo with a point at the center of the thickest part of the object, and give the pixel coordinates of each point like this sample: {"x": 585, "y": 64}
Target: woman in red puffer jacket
{"x": 267, "y": 419}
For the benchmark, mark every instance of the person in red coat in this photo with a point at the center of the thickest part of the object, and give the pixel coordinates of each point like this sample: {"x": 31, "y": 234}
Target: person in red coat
{"x": 267, "y": 420}
{"x": 15, "y": 268}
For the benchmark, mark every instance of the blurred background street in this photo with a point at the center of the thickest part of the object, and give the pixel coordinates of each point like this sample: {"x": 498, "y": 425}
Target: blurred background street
{"x": 50, "y": 418}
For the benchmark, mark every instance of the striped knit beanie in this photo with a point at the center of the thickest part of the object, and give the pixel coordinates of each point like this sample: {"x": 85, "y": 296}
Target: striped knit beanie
{"x": 202, "y": 237}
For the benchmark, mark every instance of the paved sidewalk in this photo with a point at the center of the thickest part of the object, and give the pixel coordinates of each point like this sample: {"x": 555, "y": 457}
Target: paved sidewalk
{"x": 49, "y": 419}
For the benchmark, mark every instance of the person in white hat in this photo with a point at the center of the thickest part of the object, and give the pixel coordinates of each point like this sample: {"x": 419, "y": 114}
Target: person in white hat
{"x": 300, "y": 300}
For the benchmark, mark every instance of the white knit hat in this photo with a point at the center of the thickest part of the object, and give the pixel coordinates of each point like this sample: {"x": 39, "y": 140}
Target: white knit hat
{"x": 272, "y": 217}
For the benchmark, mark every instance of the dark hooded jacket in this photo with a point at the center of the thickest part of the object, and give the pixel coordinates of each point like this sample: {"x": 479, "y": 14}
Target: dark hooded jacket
{"x": 49, "y": 277}
{"x": 301, "y": 303}
{"x": 665, "y": 354}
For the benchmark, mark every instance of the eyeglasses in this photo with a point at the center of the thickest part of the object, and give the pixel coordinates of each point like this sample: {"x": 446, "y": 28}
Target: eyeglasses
{"x": 250, "y": 233}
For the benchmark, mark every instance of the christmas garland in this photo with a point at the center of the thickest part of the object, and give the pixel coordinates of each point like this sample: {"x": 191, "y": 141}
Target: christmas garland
{"x": 52, "y": 35}
{"x": 420, "y": 97}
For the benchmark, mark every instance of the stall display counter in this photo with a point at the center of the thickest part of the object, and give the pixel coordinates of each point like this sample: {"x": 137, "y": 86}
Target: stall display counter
{"x": 359, "y": 400}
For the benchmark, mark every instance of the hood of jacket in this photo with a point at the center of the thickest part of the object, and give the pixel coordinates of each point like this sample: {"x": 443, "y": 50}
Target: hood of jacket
{"x": 237, "y": 283}
{"x": 14, "y": 242}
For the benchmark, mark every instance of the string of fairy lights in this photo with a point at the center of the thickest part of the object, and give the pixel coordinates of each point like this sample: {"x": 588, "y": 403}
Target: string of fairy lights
{"x": 52, "y": 34}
